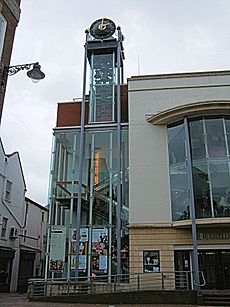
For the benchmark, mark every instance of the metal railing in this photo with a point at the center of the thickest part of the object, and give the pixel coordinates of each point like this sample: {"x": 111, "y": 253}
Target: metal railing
{"x": 171, "y": 280}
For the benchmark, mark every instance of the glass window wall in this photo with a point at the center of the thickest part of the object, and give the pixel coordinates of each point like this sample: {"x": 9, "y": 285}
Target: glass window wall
{"x": 209, "y": 145}
{"x": 99, "y": 200}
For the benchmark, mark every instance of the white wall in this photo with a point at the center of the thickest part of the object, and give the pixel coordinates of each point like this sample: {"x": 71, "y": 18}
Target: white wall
{"x": 149, "y": 173}
{"x": 13, "y": 210}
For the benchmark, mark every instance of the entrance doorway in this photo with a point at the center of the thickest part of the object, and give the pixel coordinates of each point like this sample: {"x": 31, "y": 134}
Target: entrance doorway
{"x": 215, "y": 264}
{"x": 216, "y": 267}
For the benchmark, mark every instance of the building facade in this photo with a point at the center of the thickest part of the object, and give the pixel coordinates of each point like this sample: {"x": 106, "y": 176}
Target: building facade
{"x": 22, "y": 228}
{"x": 177, "y": 121}
{"x": 9, "y": 18}
{"x": 140, "y": 174}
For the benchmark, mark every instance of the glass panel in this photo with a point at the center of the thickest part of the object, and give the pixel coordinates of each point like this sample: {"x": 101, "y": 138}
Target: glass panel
{"x": 99, "y": 193}
{"x": 201, "y": 189}
{"x": 178, "y": 174}
{"x": 179, "y": 192}
{"x": 227, "y": 123}
{"x": 102, "y": 88}
{"x": 215, "y": 137}
{"x": 197, "y": 139}
{"x": 220, "y": 181}
{"x": 176, "y": 144}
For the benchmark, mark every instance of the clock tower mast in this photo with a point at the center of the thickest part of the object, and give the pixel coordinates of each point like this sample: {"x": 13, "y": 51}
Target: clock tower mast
{"x": 104, "y": 53}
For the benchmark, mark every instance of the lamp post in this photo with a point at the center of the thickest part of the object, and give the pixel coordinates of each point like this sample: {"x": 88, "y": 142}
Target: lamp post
{"x": 35, "y": 73}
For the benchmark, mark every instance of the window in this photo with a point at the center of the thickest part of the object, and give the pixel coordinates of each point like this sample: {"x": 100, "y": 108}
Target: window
{"x": 209, "y": 147}
{"x": 4, "y": 227}
{"x": 43, "y": 216}
{"x": 8, "y": 190}
{"x": 151, "y": 261}
{"x": 24, "y": 239}
{"x": 2, "y": 33}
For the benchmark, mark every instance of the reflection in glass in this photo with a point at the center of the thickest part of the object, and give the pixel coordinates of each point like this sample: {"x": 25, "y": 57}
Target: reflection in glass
{"x": 220, "y": 181}
{"x": 215, "y": 137}
{"x": 102, "y": 88}
{"x": 178, "y": 174}
{"x": 197, "y": 139}
{"x": 99, "y": 192}
{"x": 209, "y": 142}
{"x": 201, "y": 189}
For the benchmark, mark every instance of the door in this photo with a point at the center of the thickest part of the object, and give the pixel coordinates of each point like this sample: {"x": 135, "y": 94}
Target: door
{"x": 216, "y": 268}
{"x": 182, "y": 268}
{"x": 26, "y": 269}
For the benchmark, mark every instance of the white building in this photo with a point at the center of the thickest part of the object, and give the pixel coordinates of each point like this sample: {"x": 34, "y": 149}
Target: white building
{"x": 177, "y": 121}
{"x": 22, "y": 227}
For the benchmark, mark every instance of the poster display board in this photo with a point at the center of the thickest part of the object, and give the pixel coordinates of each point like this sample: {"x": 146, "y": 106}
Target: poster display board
{"x": 57, "y": 248}
{"x": 83, "y": 249}
{"x": 99, "y": 250}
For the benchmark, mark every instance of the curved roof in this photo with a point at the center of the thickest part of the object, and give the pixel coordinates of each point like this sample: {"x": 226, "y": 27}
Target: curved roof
{"x": 190, "y": 110}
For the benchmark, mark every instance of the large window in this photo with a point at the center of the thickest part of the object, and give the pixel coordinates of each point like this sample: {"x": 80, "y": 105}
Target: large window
{"x": 209, "y": 146}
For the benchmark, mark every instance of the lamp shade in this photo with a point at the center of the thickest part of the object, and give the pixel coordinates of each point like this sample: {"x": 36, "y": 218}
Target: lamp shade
{"x": 35, "y": 73}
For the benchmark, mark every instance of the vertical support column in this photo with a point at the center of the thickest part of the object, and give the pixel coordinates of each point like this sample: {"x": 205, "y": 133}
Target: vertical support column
{"x": 208, "y": 167}
{"x": 110, "y": 203}
{"x": 119, "y": 153}
{"x": 81, "y": 152}
{"x": 50, "y": 204}
{"x": 195, "y": 264}
{"x": 71, "y": 205}
{"x": 91, "y": 198}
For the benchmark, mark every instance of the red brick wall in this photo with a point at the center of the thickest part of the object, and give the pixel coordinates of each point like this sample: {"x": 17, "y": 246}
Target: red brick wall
{"x": 69, "y": 113}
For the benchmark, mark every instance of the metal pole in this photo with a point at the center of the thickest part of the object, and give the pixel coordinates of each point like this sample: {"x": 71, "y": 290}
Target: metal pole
{"x": 195, "y": 264}
{"x": 119, "y": 153}
{"x": 91, "y": 198}
{"x": 71, "y": 205}
{"x": 110, "y": 202}
{"x": 81, "y": 152}
{"x": 50, "y": 202}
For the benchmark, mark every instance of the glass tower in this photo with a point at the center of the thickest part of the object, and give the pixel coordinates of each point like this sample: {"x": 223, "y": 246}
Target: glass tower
{"x": 88, "y": 193}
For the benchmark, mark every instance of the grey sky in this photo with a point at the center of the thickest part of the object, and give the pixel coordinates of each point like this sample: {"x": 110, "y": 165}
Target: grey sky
{"x": 166, "y": 36}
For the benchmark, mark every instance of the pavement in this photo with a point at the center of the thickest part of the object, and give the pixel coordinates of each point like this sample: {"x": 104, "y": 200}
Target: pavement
{"x": 21, "y": 300}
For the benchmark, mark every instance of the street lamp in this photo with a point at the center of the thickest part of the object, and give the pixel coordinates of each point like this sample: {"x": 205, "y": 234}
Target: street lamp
{"x": 35, "y": 73}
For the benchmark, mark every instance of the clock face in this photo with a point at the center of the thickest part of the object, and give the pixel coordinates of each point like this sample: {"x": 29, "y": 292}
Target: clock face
{"x": 102, "y": 28}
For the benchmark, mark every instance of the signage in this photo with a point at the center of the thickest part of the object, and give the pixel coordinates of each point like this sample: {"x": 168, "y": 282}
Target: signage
{"x": 213, "y": 235}
{"x": 57, "y": 248}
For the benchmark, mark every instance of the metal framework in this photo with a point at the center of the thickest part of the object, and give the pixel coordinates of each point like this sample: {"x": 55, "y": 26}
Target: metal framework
{"x": 79, "y": 189}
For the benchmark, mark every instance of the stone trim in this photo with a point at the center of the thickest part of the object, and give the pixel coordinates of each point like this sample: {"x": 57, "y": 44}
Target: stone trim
{"x": 180, "y": 75}
{"x": 191, "y": 110}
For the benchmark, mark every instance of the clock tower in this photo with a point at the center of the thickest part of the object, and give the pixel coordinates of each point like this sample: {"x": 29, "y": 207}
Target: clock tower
{"x": 104, "y": 53}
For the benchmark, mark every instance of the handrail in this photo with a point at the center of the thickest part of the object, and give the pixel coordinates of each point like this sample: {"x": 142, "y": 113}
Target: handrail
{"x": 163, "y": 280}
{"x": 204, "y": 281}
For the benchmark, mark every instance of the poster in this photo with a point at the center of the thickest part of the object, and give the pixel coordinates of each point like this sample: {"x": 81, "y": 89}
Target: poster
{"x": 99, "y": 249}
{"x": 57, "y": 248}
{"x": 83, "y": 249}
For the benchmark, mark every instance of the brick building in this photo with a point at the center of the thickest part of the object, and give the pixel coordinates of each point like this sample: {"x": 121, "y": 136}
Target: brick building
{"x": 9, "y": 18}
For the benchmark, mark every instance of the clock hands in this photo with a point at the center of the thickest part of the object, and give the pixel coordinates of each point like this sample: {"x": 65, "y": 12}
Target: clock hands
{"x": 102, "y": 26}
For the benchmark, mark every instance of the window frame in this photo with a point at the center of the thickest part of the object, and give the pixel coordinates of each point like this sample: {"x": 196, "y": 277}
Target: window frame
{"x": 2, "y": 33}
{"x": 151, "y": 254}
{"x": 8, "y": 190}
{"x": 4, "y": 227}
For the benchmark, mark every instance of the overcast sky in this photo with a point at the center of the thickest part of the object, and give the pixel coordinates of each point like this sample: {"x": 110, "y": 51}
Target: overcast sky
{"x": 166, "y": 35}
